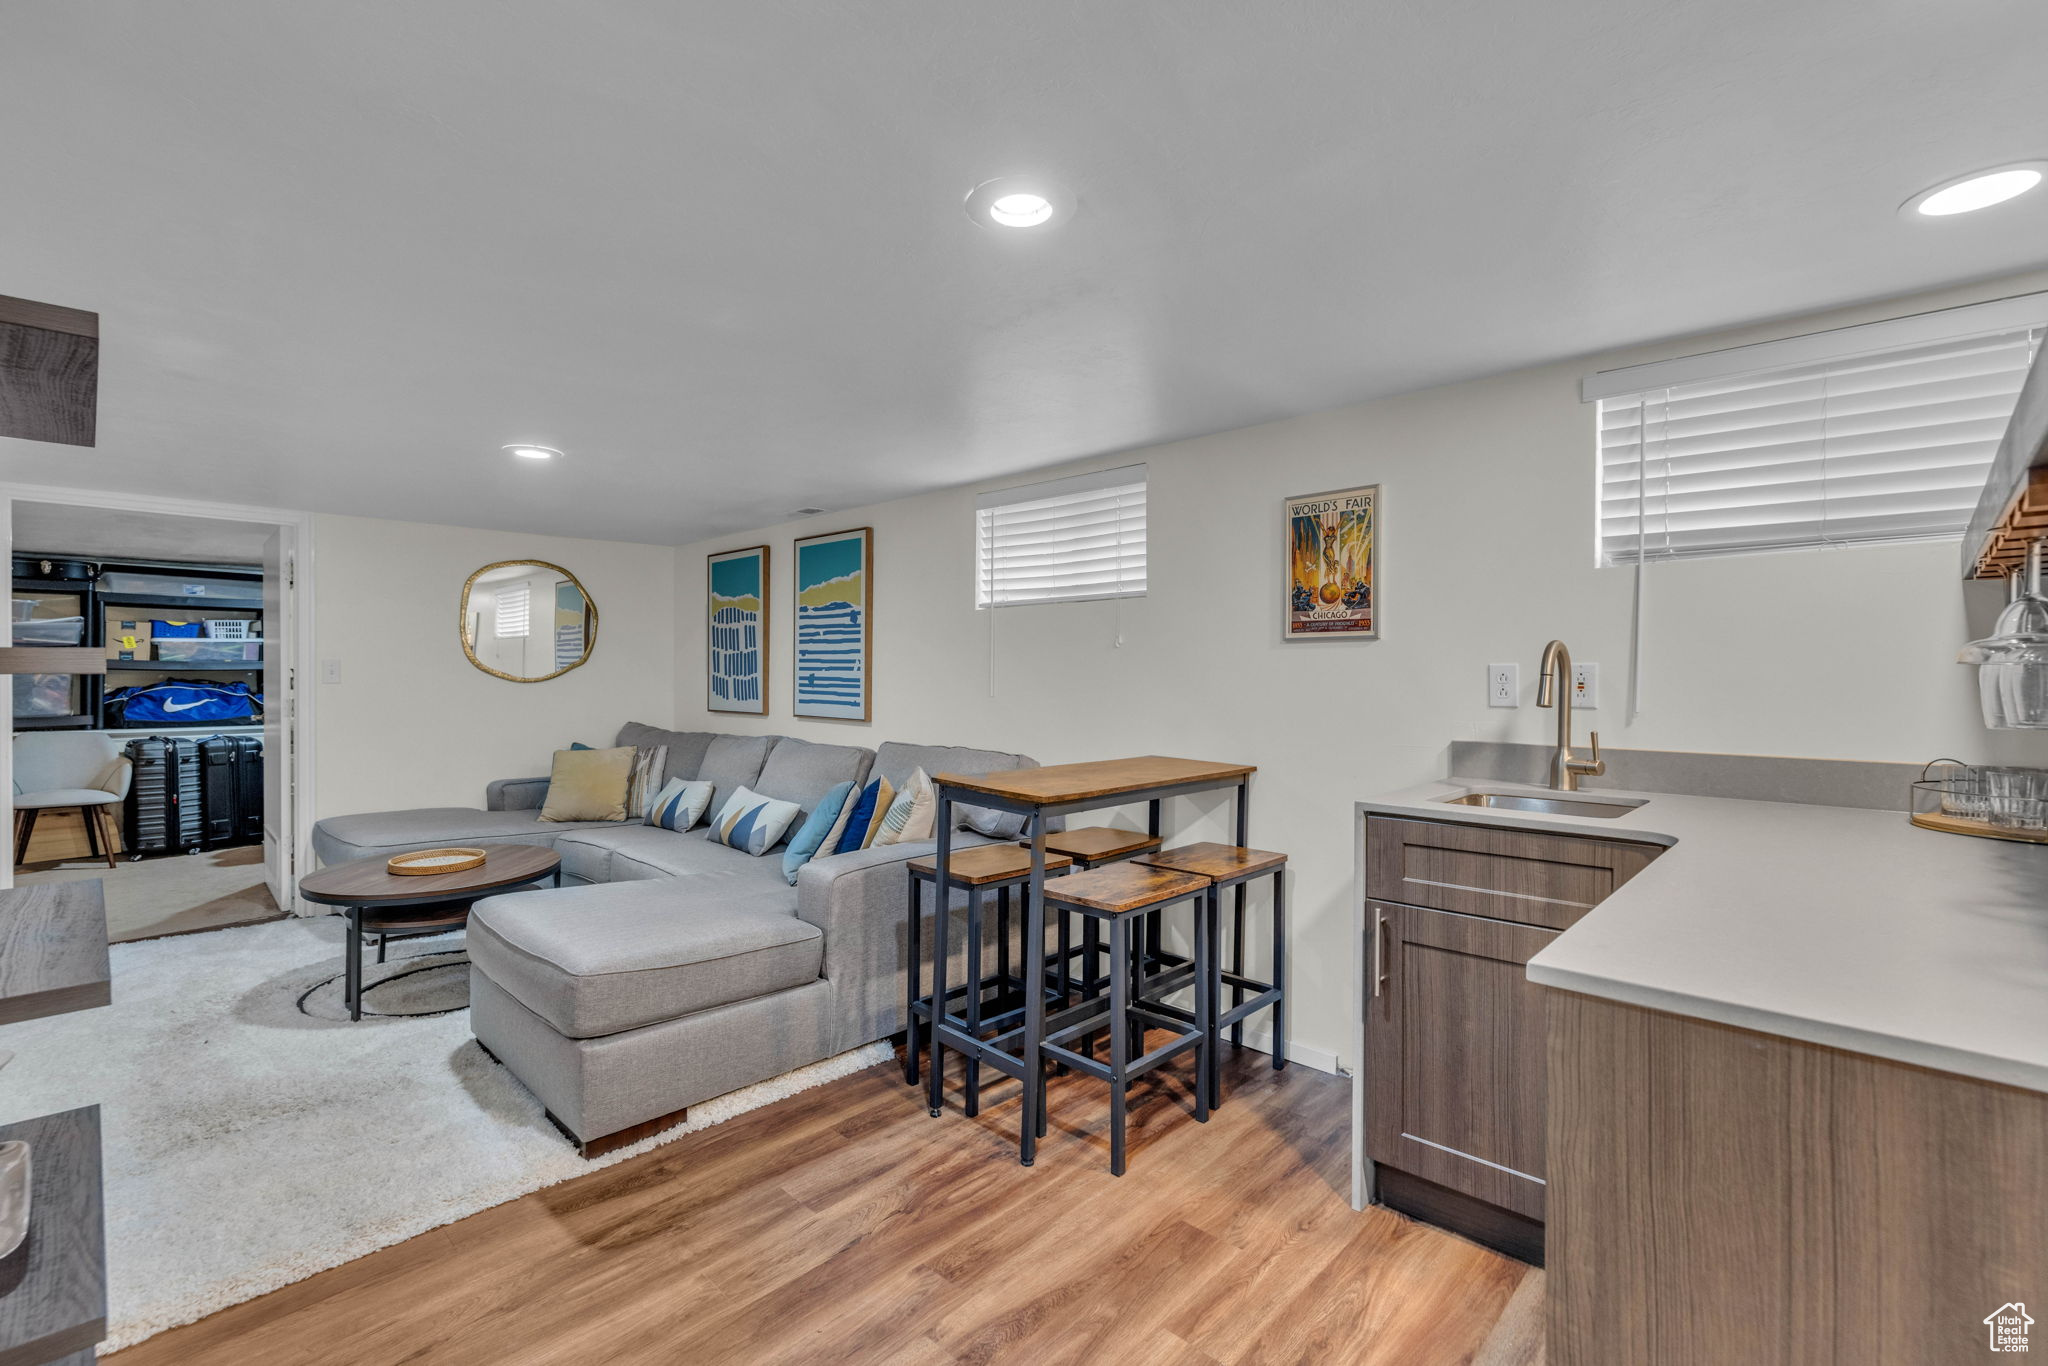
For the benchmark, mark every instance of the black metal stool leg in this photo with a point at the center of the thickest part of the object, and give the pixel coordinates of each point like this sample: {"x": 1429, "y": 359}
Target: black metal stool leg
{"x": 1205, "y": 1050}
{"x": 1139, "y": 938}
{"x": 1212, "y": 911}
{"x": 974, "y": 986}
{"x": 915, "y": 981}
{"x": 942, "y": 916}
{"x": 1119, "y": 1037}
{"x": 1063, "y": 979}
{"x": 1280, "y": 968}
{"x": 1237, "y": 965}
{"x": 1002, "y": 945}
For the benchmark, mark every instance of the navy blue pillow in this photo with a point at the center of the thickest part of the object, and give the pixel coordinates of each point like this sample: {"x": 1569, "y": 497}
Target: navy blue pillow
{"x": 856, "y": 832}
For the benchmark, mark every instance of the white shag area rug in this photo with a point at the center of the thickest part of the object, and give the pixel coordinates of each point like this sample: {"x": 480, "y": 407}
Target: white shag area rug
{"x": 253, "y": 1136}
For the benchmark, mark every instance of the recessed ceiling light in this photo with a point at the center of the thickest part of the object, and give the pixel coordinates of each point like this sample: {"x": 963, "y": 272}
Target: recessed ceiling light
{"x": 527, "y": 452}
{"x": 1018, "y": 202}
{"x": 1021, "y": 210}
{"x": 1977, "y": 190}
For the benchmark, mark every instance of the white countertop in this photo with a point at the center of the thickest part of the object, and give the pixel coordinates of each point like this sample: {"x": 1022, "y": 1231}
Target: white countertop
{"x": 1848, "y": 928}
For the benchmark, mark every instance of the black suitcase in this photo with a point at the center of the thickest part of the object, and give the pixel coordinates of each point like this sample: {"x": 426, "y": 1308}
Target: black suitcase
{"x": 162, "y": 814}
{"x": 231, "y": 790}
{"x": 249, "y": 788}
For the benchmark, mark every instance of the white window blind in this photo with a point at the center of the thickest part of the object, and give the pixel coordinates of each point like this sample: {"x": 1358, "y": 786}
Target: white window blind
{"x": 1892, "y": 445}
{"x": 515, "y": 609}
{"x": 1067, "y": 540}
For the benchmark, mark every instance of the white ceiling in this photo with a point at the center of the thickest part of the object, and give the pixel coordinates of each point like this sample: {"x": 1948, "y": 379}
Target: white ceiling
{"x": 715, "y": 251}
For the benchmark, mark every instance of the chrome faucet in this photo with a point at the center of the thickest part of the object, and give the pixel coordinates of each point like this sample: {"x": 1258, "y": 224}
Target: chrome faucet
{"x": 1556, "y": 690}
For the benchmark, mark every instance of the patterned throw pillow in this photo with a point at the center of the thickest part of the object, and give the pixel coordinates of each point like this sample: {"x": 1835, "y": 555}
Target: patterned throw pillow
{"x": 751, "y": 822}
{"x": 679, "y": 805}
{"x": 909, "y": 818}
{"x": 865, "y": 822}
{"x": 816, "y": 829}
{"x": 648, "y": 763}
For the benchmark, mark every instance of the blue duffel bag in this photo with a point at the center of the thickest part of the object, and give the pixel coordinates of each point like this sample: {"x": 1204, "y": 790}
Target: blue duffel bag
{"x": 183, "y": 700}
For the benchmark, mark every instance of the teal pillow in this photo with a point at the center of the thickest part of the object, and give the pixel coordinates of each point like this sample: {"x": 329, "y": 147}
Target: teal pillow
{"x": 752, "y": 823}
{"x": 679, "y": 805}
{"x": 810, "y": 836}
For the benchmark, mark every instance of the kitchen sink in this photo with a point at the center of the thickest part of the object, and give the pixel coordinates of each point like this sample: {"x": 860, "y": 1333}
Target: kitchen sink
{"x": 1550, "y": 806}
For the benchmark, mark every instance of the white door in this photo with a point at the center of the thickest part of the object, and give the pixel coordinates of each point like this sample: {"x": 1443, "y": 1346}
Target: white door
{"x": 280, "y": 714}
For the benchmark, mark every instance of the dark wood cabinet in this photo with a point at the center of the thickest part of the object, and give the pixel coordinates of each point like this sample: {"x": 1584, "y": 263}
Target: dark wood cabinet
{"x": 1454, "y": 1062}
{"x": 1454, "y": 1088}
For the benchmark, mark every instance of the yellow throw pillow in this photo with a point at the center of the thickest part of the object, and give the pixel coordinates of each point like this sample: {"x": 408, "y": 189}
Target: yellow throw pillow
{"x": 589, "y": 785}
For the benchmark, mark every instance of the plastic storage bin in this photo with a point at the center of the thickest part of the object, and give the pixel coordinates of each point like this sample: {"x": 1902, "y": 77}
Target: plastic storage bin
{"x": 199, "y": 651}
{"x": 45, "y": 695}
{"x": 50, "y": 631}
{"x": 198, "y": 590}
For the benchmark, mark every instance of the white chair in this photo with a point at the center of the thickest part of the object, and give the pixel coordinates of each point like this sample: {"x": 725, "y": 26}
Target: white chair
{"x": 69, "y": 768}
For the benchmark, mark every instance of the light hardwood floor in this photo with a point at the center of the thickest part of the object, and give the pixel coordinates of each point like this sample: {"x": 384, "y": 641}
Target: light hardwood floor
{"x": 845, "y": 1225}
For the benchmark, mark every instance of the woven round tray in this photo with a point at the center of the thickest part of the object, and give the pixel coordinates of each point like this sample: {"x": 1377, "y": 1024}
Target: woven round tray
{"x": 427, "y": 862}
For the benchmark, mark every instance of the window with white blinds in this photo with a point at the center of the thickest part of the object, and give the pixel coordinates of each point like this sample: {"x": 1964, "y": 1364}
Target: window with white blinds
{"x": 1067, "y": 540}
{"x": 1891, "y": 445}
{"x": 515, "y": 609}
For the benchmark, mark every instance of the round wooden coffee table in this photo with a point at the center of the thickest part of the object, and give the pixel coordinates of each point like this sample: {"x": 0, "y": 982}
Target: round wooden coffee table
{"x": 393, "y": 907}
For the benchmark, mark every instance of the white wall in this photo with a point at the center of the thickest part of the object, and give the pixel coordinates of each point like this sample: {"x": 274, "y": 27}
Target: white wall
{"x": 1487, "y": 553}
{"x": 411, "y": 722}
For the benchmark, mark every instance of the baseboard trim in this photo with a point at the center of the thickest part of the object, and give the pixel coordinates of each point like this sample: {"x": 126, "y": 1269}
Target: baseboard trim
{"x": 1307, "y": 1056}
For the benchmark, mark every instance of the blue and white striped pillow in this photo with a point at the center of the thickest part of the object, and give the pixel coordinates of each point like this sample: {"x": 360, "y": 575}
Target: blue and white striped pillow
{"x": 753, "y": 823}
{"x": 679, "y": 805}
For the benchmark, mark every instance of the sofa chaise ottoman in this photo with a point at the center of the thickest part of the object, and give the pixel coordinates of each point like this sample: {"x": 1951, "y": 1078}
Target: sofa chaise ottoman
{"x": 670, "y": 969}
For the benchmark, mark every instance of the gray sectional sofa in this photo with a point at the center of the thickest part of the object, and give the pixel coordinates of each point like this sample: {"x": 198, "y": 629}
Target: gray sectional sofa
{"x": 669, "y": 969}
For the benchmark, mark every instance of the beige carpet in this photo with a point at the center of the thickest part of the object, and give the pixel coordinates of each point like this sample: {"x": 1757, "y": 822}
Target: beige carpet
{"x": 171, "y": 893}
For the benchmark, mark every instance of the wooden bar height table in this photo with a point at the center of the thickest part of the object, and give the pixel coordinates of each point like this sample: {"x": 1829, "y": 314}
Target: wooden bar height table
{"x": 1039, "y": 794}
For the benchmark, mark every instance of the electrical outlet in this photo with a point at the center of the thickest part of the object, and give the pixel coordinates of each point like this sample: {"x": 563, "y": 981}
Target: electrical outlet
{"x": 1503, "y": 685}
{"x": 330, "y": 671}
{"x": 1586, "y": 685}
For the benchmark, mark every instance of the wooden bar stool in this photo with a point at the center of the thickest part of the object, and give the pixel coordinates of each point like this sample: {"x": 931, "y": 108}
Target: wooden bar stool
{"x": 1119, "y": 899}
{"x": 979, "y": 869}
{"x": 1090, "y": 847}
{"x": 1226, "y": 866}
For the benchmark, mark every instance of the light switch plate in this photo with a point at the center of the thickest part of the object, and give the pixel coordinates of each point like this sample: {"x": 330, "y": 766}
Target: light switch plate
{"x": 1503, "y": 685}
{"x": 330, "y": 671}
{"x": 1586, "y": 685}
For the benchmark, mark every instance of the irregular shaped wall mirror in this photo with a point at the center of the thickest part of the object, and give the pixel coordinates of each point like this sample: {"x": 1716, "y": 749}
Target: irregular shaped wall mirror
{"x": 526, "y": 620}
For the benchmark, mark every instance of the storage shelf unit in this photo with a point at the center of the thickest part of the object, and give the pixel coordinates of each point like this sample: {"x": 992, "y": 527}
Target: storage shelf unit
{"x": 127, "y": 590}
{"x": 228, "y": 591}
{"x": 83, "y": 712}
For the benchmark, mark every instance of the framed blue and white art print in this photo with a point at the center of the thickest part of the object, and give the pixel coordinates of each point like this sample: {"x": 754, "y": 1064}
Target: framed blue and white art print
{"x": 835, "y": 603}
{"x": 736, "y": 639}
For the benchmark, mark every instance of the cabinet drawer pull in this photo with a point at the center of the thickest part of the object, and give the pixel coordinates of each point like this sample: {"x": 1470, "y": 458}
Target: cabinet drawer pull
{"x": 1379, "y": 953}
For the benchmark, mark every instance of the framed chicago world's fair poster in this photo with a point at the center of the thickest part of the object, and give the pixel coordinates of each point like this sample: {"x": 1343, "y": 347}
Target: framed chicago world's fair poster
{"x": 1333, "y": 589}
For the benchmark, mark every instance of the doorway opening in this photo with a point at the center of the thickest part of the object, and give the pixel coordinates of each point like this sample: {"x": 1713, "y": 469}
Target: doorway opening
{"x": 171, "y": 776}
